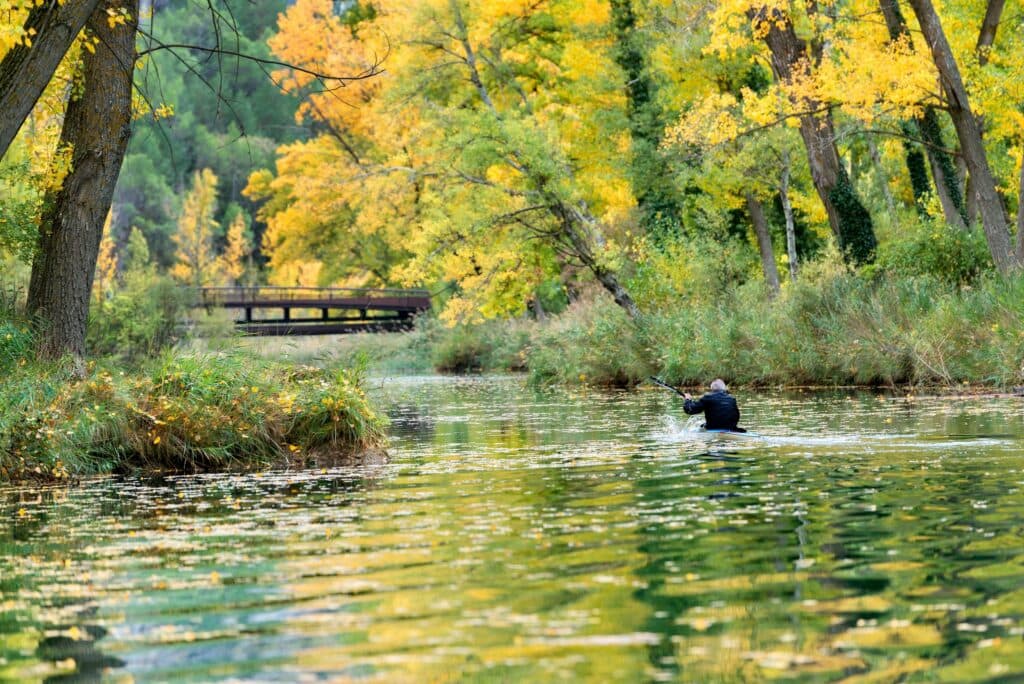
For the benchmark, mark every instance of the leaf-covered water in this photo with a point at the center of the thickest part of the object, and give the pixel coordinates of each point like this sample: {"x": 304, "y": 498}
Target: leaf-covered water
{"x": 519, "y": 535}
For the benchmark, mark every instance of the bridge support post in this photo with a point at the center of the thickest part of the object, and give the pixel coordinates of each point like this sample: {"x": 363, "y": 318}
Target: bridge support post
{"x": 248, "y": 314}
{"x": 362, "y": 313}
{"x": 287, "y": 314}
{"x": 325, "y": 315}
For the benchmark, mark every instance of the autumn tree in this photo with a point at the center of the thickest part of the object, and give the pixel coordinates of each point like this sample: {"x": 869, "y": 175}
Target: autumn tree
{"x": 94, "y": 135}
{"x": 32, "y": 54}
{"x": 993, "y": 214}
{"x": 657, "y": 194}
{"x": 106, "y": 264}
{"x": 96, "y": 128}
{"x": 233, "y": 262}
{"x": 792, "y": 59}
{"x": 926, "y": 128}
{"x": 492, "y": 151}
{"x": 196, "y": 264}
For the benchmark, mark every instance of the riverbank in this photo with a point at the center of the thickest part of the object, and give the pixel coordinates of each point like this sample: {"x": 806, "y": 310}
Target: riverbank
{"x": 182, "y": 412}
{"x": 831, "y": 329}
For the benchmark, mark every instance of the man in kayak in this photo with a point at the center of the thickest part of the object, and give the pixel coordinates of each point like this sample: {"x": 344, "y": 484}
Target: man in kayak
{"x": 718, "y": 406}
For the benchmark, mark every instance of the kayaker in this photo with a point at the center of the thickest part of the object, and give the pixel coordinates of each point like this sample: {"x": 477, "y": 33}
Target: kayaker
{"x": 718, "y": 406}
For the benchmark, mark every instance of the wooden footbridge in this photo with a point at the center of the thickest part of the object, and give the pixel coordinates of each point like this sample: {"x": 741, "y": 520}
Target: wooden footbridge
{"x": 316, "y": 310}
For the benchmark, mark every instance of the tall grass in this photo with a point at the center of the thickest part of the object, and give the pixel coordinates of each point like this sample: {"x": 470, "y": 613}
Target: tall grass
{"x": 833, "y": 327}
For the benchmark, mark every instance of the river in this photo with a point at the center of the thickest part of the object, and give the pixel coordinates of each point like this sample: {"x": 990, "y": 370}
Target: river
{"x": 548, "y": 535}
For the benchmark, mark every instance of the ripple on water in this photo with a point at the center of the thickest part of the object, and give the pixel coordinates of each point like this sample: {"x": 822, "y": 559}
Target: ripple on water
{"x": 525, "y": 535}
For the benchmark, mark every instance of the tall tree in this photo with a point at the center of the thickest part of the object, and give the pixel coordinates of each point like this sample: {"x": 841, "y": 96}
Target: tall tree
{"x": 764, "y": 243}
{"x": 96, "y": 127}
{"x": 522, "y": 186}
{"x": 987, "y": 34}
{"x": 792, "y": 58}
{"x": 927, "y": 127}
{"x": 232, "y": 264}
{"x": 196, "y": 264}
{"x": 651, "y": 177}
{"x": 993, "y": 215}
{"x": 26, "y": 69}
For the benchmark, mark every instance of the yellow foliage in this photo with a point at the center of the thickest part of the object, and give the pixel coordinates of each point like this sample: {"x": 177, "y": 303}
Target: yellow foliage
{"x": 231, "y": 265}
{"x": 434, "y": 173}
{"x": 196, "y": 265}
{"x": 106, "y": 263}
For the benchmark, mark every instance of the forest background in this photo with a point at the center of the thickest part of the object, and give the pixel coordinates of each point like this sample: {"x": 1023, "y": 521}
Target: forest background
{"x": 775, "y": 192}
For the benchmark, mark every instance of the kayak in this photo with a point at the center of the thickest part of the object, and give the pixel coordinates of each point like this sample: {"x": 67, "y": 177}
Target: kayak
{"x": 730, "y": 433}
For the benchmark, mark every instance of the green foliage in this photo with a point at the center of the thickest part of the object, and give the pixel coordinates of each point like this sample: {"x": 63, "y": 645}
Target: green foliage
{"x": 141, "y": 314}
{"x": 700, "y": 268}
{"x": 833, "y": 327}
{"x": 496, "y": 345}
{"x": 139, "y": 320}
{"x": 15, "y": 344}
{"x": 20, "y": 204}
{"x": 181, "y": 412}
{"x": 232, "y": 127}
{"x": 593, "y": 342}
{"x": 916, "y": 168}
{"x": 932, "y": 248}
{"x": 857, "y": 234}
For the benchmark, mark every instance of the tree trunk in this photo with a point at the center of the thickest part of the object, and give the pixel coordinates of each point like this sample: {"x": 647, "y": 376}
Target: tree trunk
{"x": 97, "y": 125}
{"x": 27, "y": 69}
{"x": 882, "y": 176}
{"x": 993, "y": 216}
{"x": 947, "y": 181}
{"x": 538, "y": 309}
{"x": 787, "y": 211}
{"x": 1020, "y": 216}
{"x": 947, "y": 186}
{"x": 764, "y": 244}
{"x": 850, "y": 221}
{"x": 916, "y": 168}
{"x": 987, "y": 35}
{"x": 971, "y": 214}
{"x": 577, "y": 232}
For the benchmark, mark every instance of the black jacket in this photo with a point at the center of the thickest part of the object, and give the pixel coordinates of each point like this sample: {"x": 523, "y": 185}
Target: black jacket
{"x": 719, "y": 408}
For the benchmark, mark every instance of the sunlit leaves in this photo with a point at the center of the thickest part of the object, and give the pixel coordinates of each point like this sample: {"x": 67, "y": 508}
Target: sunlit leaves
{"x": 196, "y": 264}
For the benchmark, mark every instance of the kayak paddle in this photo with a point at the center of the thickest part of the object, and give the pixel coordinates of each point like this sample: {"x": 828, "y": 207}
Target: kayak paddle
{"x": 656, "y": 381}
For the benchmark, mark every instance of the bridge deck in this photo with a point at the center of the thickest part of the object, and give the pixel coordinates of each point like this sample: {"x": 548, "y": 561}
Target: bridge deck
{"x": 378, "y": 310}
{"x": 267, "y": 297}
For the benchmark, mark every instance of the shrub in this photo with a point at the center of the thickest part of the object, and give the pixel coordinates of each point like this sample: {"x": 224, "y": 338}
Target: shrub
{"x": 137, "y": 320}
{"x": 936, "y": 250}
{"x": 494, "y": 345}
{"x": 183, "y": 413}
{"x": 592, "y": 342}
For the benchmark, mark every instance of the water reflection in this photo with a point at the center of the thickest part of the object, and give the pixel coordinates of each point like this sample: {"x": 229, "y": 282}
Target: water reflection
{"x": 523, "y": 535}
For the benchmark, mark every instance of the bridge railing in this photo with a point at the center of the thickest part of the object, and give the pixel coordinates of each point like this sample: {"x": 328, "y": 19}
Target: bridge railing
{"x": 273, "y": 294}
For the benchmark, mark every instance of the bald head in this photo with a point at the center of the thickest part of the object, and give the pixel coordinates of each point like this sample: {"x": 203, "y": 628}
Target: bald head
{"x": 717, "y": 385}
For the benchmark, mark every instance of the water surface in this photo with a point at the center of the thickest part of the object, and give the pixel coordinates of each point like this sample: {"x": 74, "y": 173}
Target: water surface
{"x": 559, "y": 535}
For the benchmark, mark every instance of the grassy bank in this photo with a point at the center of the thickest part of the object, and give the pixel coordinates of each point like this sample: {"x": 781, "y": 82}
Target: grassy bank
{"x": 831, "y": 328}
{"x": 180, "y": 412}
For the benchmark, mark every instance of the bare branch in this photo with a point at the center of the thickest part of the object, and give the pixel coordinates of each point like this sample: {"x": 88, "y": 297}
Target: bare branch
{"x": 369, "y": 72}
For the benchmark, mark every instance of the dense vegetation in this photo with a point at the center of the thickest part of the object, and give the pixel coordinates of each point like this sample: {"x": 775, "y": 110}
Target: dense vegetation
{"x": 177, "y": 412}
{"x": 594, "y": 189}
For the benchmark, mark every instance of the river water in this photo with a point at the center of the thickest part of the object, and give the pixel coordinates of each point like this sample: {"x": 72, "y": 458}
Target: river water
{"x": 555, "y": 535}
